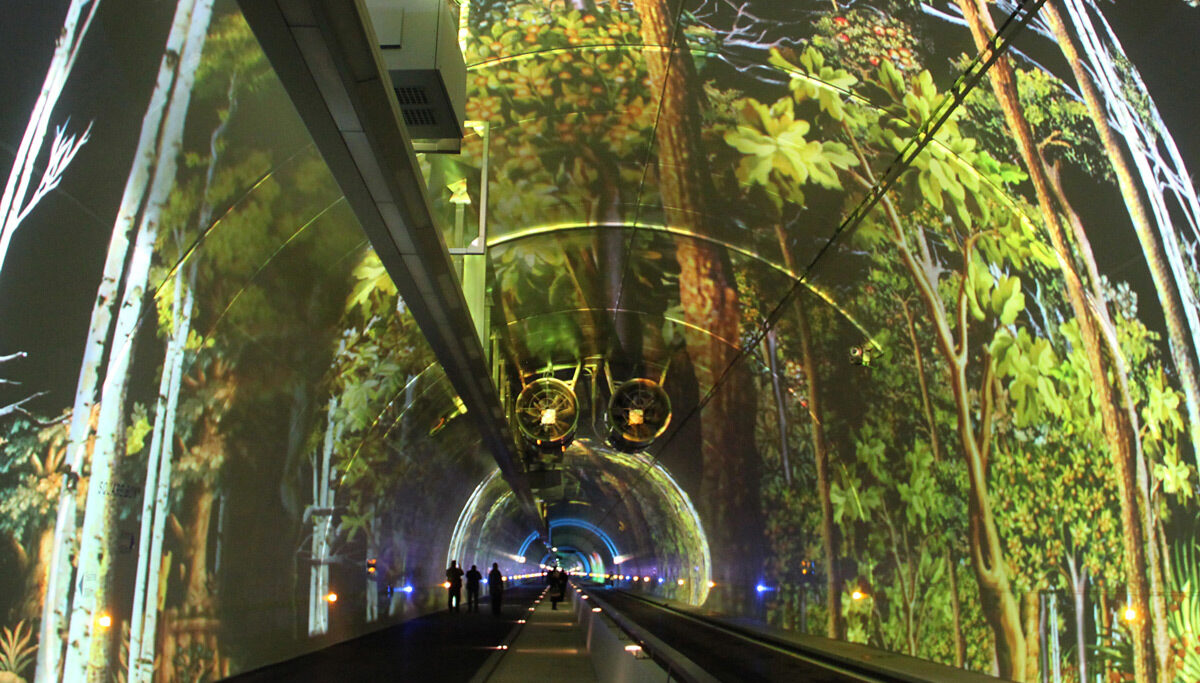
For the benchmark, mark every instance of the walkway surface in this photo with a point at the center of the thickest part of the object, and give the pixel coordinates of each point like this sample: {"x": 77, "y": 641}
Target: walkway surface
{"x": 551, "y": 645}
{"x": 436, "y": 647}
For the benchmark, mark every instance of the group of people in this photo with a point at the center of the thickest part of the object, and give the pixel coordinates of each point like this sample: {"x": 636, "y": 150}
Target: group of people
{"x": 454, "y": 583}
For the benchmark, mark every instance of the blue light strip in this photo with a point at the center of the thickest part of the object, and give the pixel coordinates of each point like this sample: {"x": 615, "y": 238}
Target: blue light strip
{"x": 573, "y": 522}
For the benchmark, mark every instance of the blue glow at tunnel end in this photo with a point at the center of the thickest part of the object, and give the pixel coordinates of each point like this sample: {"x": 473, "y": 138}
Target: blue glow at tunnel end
{"x": 573, "y": 522}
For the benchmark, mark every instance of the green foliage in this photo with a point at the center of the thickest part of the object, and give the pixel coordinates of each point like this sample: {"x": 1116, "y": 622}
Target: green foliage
{"x": 1183, "y": 612}
{"x": 17, "y": 648}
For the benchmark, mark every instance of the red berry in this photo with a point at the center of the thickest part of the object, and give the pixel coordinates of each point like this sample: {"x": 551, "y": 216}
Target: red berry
{"x": 843, "y": 37}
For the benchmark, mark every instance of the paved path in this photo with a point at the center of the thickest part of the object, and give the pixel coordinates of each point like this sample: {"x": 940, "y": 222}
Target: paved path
{"x": 551, "y": 646}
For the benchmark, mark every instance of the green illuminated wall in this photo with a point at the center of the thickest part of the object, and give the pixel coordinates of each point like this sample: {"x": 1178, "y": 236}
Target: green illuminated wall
{"x": 962, "y": 426}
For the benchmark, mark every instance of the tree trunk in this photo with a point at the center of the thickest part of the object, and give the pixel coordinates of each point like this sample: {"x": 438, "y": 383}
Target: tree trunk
{"x": 960, "y": 644}
{"x": 835, "y": 624}
{"x": 1156, "y": 260}
{"x": 15, "y": 205}
{"x": 88, "y": 648}
{"x": 771, "y": 351}
{"x": 1078, "y": 574}
{"x": 1144, "y": 139}
{"x": 1115, "y": 422}
{"x": 54, "y": 612}
{"x": 154, "y": 507}
{"x": 1034, "y": 619}
{"x": 322, "y": 518}
{"x": 158, "y": 485}
{"x": 708, "y": 293}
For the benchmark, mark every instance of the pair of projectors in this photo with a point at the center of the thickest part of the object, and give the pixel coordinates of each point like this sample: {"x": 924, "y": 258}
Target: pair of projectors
{"x": 548, "y": 414}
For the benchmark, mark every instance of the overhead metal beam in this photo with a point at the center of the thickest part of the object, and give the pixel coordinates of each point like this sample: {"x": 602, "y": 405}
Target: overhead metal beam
{"x": 325, "y": 53}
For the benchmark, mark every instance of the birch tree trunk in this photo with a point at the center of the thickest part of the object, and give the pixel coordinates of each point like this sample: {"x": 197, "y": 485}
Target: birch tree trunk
{"x": 158, "y": 472}
{"x": 322, "y": 516}
{"x": 1147, "y": 138}
{"x": 54, "y": 610}
{"x": 158, "y": 486}
{"x": 1172, "y": 292}
{"x": 88, "y": 647}
{"x": 16, "y": 203}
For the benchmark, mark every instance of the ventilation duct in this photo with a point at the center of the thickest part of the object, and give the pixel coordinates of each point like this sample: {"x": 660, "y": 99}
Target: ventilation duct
{"x": 419, "y": 42}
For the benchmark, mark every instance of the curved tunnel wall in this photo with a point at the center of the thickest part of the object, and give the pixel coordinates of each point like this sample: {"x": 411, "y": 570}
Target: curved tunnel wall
{"x": 963, "y": 428}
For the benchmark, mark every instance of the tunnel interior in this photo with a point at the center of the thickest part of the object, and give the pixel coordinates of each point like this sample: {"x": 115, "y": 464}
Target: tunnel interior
{"x": 775, "y": 337}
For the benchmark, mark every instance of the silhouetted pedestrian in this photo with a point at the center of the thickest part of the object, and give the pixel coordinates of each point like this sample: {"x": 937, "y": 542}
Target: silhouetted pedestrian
{"x": 558, "y": 586}
{"x": 454, "y": 585}
{"x": 473, "y": 579}
{"x": 496, "y": 588}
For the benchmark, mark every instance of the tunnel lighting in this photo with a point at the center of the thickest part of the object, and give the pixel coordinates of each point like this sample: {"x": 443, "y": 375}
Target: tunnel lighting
{"x": 661, "y": 579}
{"x": 531, "y": 609}
{"x": 636, "y": 651}
{"x": 857, "y": 595}
{"x": 104, "y": 621}
{"x": 680, "y": 582}
{"x": 520, "y": 621}
{"x": 1130, "y": 614}
{"x": 584, "y": 597}
{"x": 331, "y": 597}
{"x": 595, "y": 609}
{"x": 645, "y": 578}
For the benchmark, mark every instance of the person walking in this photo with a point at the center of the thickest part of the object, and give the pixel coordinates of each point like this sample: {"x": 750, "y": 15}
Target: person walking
{"x": 473, "y": 579}
{"x": 496, "y": 588}
{"x": 454, "y": 576}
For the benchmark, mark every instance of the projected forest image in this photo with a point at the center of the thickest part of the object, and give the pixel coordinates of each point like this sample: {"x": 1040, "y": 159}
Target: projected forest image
{"x": 957, "y": 420}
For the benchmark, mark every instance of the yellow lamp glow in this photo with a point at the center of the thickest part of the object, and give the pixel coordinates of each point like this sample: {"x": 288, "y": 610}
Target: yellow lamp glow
{"x": 104, "y": 621}
{"x": 857, "y": 595}
{"x": 1130, "y": 614}
{"x": 331, "y": 597}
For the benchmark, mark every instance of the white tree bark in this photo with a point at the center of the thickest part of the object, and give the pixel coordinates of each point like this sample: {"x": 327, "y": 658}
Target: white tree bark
{"x": 373, "y": 578}
{"x": 322, "y": 518}
{"x": 87, "y": 645}
{"x": 54, "y": 609}
{"x": 158, "y": 485}
{"x": 144, "y": 619}
{"x": 1160, "y": 168}
{"x": 16, "y": 203}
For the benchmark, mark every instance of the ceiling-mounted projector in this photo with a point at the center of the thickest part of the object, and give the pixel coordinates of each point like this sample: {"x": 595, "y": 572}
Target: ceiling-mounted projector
{"x": 638, "y": 413}
{"x": 419, "y": 42}
{"x": 547, "y": 413}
